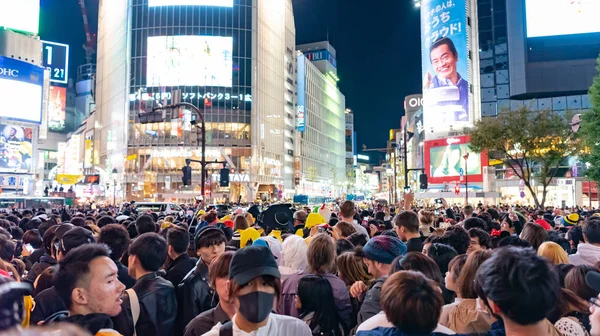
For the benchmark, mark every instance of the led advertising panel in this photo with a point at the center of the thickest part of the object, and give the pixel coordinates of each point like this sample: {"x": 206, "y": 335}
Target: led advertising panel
{"x": 57, "y": 104}
{"x": 16, "y": 149}
{"x": 21, "y": 90}
{"x": 20, "y": 15}
{"x": 301, "y": 109}
{"x": 190, "y": 61}
{"x": 56, "y": 59}
{"x": 445, "y": 62}
{"x": 445, "y": 160}
{"x": 562, "y": 17}
{"x": 217, "y": 3}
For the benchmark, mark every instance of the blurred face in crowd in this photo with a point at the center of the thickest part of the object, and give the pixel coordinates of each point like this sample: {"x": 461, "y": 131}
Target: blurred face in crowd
{"x": 208, "y": 254}
{"x": 474, "y": 245}
{"x": 450, "y": 281}
{"x": 425, "y": 248}
{"x": 102, "y": 293}
{"x": 222, "y": 288}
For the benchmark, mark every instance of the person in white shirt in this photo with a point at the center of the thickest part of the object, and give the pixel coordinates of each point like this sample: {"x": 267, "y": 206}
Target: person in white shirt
{"x": 255, "y": 286}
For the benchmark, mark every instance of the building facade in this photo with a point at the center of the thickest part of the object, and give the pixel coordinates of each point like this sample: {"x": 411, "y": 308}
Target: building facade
{"x": 231, "y": 61}
{"x": 321, "y": 126}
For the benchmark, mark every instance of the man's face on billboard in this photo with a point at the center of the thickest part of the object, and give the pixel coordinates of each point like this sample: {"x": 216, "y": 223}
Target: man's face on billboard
{"x": 13, "y": 132}
{"x": 444, "y": 62}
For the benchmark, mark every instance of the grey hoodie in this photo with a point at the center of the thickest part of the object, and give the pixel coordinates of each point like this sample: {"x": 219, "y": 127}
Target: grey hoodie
{"x": 587, "y": 254}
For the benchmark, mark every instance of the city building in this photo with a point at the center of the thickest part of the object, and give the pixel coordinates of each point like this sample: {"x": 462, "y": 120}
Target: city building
{"x": 244, "y": 87}
{"x": 350, "y": 153}
{"x": 321, "y": 123}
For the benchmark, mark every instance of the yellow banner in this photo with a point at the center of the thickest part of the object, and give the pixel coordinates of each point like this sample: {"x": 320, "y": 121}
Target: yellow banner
{"x": 131, "y": 157}
{"x": 66, "y": 179}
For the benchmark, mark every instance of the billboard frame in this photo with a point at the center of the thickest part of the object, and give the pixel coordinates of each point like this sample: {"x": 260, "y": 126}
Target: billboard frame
{"x": 458, "y": 140}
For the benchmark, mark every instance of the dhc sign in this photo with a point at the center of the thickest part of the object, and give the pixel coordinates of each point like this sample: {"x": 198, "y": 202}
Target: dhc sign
{"x": 9, "y": 72}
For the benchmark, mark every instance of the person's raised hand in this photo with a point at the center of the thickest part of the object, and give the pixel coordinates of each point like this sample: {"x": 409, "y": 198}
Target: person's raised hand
{"x": 357, "y": 289}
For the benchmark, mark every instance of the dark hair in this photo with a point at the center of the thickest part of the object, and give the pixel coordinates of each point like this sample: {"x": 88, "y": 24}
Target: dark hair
{"x": 458, "y": 238}
{"x": 441, "y": 254}
{"x": 14, "y": 219}
{"x": 34, "y": 223}
{"x": 568, "y": 304}
{"x": 346, "y": 229}
{"x": 132, "y": 230}
{"x": 407, "y": 219}
{"x": 49, "y": 237}
{"x": 523, "y": 286}
{"x": 513, "y": 241}
{"x": 562, "y": 270}
{"x": 473, "y": 222}
{"x": 575, "y": 282}
{"x": 591, "y": 231}
{"x": 33, "y": 238}
{"x": 16, "y": 232}
{"x": 105, "y": 220}
{"x": 179, "y": 239}
{"x": 78, "y": 221}
{"x": 316, "y": 296}
{"x": 557, "y": 237}
{"x": 418, "y": 262}
{"x": 575, "y": 234}
{"x": 456, "y": 265}
{"x": 358, "y": 239}
{"x": 210, "y": 238}
{"x": 348, "y": 209}
{"x": 145, "y": 224}
{"x": 343, "y": 245}
{"x": 7, "y": 249}
{"x": 240, "y": 223}
{"x": 116, "y": 237}
{"x": 150, "y": 249}
{"x": 75, "y": 267}
{"x": 5, "y": 224}
{"x": 211, "y": 216}
{"x": 534, "y": 234}
{"x": 219, "y": 268}
{"x": 411, "y": 302}
{"x": 44, "y": 281}
{"x": 484, "y": 237}
{"x": 468, "y": 209}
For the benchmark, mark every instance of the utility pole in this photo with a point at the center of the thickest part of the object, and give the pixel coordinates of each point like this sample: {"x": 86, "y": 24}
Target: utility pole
{"x": 466, "y": 157}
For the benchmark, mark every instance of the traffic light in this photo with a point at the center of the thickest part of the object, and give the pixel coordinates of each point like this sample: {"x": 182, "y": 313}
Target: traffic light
{"x": 187, "y": 175}
{"x": 224, "y": 177}
{"x": 457, "y": 189}
{"x": 423, "y": 181}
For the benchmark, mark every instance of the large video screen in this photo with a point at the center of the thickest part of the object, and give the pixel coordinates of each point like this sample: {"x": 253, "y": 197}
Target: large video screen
{"x": 190, "y": 61}
{"x": 445, "y": 63}
{"x": 562, "y": 17}
{"x": 21, "y": 90}
{"x": 445, "y": 160}
{"x": 57, "y": 104}
{"x": 20, "y": 15}
{"x": 16, "y": 148}
{"x": 218, "y": 3}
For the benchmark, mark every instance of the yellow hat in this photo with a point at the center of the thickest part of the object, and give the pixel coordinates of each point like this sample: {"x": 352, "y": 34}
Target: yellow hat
{"x": 276, "y": 234}
{"x": 314, "y": 219}
{"x": 225, "y": 218}
{"x": 248, "y": 234}
{"x": 201, "y": 213}
{"x": 300, "y": 233}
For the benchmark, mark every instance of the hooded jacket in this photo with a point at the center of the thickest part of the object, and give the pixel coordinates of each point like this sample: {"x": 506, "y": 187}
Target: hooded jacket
{"x": 38, "y": 268}
{"x": 587, "y": 254}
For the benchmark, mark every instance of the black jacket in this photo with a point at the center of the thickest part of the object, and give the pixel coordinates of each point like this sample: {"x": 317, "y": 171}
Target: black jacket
{"x": 38, "y": 268}
{"x": 194, "y": 296}
{"x": 179, "y": 268}
{"x": 93, "y": 323}
{"x": 158, "y": 308}
{"x": 33, "y": 258}
{"x": 47, "y": 303}
{"x": 123, "y": 275}
{"x": 204, "y": 322}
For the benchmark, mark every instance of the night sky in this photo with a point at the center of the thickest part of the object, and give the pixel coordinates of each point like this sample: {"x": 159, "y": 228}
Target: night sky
{"x": 377, "y": 43}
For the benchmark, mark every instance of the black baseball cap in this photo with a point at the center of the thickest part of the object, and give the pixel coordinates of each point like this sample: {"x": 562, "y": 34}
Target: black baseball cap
{"x": 75, "y": 237}
{"x": 251, "y": 262}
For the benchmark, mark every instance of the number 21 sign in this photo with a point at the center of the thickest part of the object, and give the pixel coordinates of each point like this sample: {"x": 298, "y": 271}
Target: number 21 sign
{"x": 56, "y": 59}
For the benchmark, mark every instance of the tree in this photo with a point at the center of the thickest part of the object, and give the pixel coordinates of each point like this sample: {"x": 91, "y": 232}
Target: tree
{"x": 590, "y": 130}
{"x": 533, "y": 143}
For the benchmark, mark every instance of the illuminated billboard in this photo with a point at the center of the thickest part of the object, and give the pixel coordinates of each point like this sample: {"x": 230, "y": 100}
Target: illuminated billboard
{"x": 562, "y": 17}
{"x": 301, "y": 109}
{"x": 55, "y": 57}
{"x": 445, "y": 62}
{"x": 21, "y": 90}
{"x": 16, "y": 149}
{"x": 445, "y": 160}
{"x": 57, "y": 104}
{"x": 20, "y": 15}
{"x": 217, "y": 3}
{"x": 189, "y": 61}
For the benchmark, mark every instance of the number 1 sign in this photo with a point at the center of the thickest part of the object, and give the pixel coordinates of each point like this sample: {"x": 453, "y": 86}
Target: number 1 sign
{"x": 56, "y": 59}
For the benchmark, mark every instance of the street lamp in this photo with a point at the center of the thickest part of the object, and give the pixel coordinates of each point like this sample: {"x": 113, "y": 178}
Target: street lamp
{"x": 466, "y": 157}
{"x": 114, "y": 176}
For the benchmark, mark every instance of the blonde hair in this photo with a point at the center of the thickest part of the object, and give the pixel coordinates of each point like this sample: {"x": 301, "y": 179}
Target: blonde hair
{"x": 553, "y": 253}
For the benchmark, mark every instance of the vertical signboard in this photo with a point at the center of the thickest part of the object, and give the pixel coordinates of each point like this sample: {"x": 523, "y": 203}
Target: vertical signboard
{"x": 445, "y": 58}
{"x": 301, "y": 109}
{"x": 56, "y": 59}
{"x": 57, "y": 104}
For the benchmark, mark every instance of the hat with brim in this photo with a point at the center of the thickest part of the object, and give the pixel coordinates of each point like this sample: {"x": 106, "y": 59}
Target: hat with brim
{"x": 251, "y": 262}
{"x": 247, "y": 276}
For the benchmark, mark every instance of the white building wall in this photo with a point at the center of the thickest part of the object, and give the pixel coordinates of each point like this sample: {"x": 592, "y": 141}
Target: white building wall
{"x": 322, "y": 145}
{"x": 112, "y": 83}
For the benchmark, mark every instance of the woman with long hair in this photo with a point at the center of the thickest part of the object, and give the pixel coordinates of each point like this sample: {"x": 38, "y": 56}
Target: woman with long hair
{"x": 316, "y": 305}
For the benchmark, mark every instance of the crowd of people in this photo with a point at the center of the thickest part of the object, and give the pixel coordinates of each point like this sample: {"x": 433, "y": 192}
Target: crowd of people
{"x": 334, "y": 270}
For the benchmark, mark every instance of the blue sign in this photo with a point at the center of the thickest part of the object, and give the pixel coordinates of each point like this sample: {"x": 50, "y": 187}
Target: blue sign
{"x": 522, "y": 194}
{"x": 56, "y": 59}
{"x": 21, "y": 101}
{"x": 321, "y": 55}
{"x": 301, "y": 109}
{"x": 461, "y": 172}
{"x": 445, "y": 57}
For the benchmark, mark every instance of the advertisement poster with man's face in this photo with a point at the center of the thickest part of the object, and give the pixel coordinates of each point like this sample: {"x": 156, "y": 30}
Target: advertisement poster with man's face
{"x": 445, "y": 62}
{"x": 16, "y": 149}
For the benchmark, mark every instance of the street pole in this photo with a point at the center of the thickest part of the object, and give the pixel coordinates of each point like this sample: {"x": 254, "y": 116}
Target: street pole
{"x": 115, "y": 192}
{"x": 466, "y": 157}
{"x": 405, "y": 158}
{"x": 395, "y": 176}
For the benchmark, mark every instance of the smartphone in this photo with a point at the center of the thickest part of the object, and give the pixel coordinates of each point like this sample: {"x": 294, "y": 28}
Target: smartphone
{"x": 29, "y": 248}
